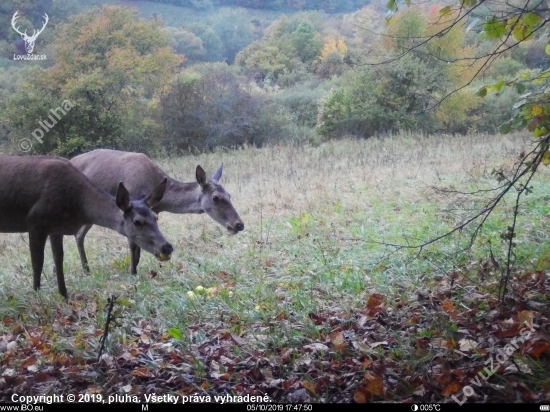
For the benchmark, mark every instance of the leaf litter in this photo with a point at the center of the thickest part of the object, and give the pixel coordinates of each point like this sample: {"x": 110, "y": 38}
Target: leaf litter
{"x": 425, "y": 349}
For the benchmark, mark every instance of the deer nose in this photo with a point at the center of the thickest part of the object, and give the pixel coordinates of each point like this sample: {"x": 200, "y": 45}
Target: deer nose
{"x": 167, "y": 249}
{"x": 239, "y": 227}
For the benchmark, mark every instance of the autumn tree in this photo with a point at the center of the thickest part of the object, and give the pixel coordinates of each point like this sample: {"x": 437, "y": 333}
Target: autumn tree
{"x": 402, "y": 94}
{"x": 505, "y": 27}
{"x": 206, "y": 106}
{"x": 109, "y": 65}
{"x": 290, "y": 44}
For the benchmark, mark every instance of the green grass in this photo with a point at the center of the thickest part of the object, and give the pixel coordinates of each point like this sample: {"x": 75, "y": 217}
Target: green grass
{"x": 177, "y": 16}
{"x": 314, "y": 217}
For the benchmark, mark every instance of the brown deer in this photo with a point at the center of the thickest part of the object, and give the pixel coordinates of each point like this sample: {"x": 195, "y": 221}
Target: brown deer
{"x": 48, "y": 196}
{"x": 106, "y": 167}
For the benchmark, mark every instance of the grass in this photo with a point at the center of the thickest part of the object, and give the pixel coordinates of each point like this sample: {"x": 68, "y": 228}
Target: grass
{"x": 177, "y": 16}
{"x": 314, "y": 217}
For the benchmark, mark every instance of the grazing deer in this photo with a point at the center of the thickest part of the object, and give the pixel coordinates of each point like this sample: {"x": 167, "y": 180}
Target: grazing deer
{"x": 29, "y": 40}
{"x": 106, "y": 167}
{"x": 48, "y": 196}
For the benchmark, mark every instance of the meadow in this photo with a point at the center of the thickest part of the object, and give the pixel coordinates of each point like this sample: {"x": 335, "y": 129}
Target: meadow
{"x": 315, "y": 250}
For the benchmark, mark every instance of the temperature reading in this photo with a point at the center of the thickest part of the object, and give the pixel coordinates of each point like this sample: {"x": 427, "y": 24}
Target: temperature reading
{"x": 426, "y": 407}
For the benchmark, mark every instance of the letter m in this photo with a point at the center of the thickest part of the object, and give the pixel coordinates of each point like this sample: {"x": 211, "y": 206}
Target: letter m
{"x": 145, "y": 407}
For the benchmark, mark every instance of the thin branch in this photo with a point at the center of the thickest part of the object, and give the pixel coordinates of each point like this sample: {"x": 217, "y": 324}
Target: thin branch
{"x": 103, "y": 339}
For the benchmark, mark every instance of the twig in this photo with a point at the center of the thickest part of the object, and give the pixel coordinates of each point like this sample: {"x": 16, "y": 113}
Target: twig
{"x": 111, "y": 301}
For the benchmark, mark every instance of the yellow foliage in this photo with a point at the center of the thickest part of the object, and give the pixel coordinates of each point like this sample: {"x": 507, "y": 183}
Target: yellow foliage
{"x": 333, "y": 45}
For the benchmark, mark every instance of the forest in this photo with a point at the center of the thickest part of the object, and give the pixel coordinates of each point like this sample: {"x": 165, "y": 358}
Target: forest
{"x": 237, "y": 76}
{"x": 385, "y": 165}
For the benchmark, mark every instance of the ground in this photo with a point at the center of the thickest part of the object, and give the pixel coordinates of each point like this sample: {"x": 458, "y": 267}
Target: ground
{"x": 309, "y": 303}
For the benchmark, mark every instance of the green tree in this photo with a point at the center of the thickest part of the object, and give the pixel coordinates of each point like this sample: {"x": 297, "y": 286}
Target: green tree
{"x": 290, "y": 45}
{"x": 186, "y": 43}
{"x": 234, "y": 30}
{"x": 205, "y": 106}
{"x": 510, "y": 26}
{"x": 109, "y": 65}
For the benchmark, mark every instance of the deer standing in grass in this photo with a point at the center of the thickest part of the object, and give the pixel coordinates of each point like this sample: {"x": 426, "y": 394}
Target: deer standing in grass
{"x": 106, "y": 167}
{"x": 47, "y": 196}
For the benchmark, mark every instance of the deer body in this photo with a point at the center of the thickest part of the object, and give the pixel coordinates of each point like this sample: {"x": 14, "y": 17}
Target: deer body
{"x": 47, "y": 196}
{"x": 105, "y": 167}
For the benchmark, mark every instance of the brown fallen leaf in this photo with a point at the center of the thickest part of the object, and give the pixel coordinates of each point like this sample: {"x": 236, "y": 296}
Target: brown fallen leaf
{"x": 360, "y": 395}
{"x": 375, "y": 304}
{"x": 318, "y": 320}
{"x": 41, "y": 377}
{"x": 539, "y": 348}
{"x": 142, "y": 372}
{"x": 453, "y": 388}
{"x": 309, "y": 386}
{"x": 338, "y": 341}
{"x": 525, "y": 316}
{"x": 374, "y": 383}
{"x": 28, "y": 362}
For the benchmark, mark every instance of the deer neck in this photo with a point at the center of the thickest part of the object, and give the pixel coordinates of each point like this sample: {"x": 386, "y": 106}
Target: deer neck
{"x": 180, "y": 198}
{"x": 101, "y": 209}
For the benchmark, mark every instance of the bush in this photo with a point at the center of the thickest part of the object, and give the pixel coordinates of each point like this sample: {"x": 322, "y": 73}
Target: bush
{"x": 206, "y": 106}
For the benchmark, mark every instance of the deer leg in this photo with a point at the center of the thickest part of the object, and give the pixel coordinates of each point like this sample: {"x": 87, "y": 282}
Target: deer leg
{"x": 135, "y": 254}
{"x": 37, "y": 242}
{"x": 80, "y": 246}
{"x": 56, "y": 242}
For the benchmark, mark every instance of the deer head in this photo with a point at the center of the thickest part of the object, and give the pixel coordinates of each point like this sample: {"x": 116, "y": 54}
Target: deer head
{"x": 29, "y": 40}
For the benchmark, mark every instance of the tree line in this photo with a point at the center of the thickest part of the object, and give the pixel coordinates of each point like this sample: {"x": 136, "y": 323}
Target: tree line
{"x": 137, "y": 84}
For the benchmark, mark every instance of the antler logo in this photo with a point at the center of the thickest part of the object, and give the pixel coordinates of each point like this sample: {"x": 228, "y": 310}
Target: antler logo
{"x": 29, "y": 40}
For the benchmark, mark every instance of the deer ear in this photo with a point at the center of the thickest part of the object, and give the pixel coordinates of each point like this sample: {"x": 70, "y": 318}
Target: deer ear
{"x": 201, "y": 176}
{"x": 156, "y": 195}
{"x": 218, "y": 175}
{"x": 123, "y": 198}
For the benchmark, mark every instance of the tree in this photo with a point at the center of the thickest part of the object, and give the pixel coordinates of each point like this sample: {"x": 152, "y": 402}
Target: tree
{"x": 509, "y": 25}
{"x": 186, "y": 43}
{"x": 290, "y": 45}
{"x": 108, "y": 65}
{"x": 205, "y": 106}
{"x": 394, "y": 96}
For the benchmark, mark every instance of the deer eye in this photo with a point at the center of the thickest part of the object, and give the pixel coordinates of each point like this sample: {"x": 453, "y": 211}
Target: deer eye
{"x": 138, "y": 223}
{"x": 216, "y": 198}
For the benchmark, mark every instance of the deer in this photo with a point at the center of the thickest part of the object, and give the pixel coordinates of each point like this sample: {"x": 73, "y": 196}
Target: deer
{"x": 29, "y": 40}
{"x": 47, "y": 196}
{"x": 105, "y": 167}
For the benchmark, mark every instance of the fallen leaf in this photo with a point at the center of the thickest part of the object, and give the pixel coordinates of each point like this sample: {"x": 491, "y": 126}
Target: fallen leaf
{"x": 375, "y": 304}
{"x": 142, "y": 372}
{"x": 314, "y": 347}
{"x": 467, "y": 345}
{"x": 360, "y": 395}
{"x": 539, "y": 348}
{"x": 309, "y": 386}
{"x": 145, "y": 339}
{"x": 28, "y": 362}
{"x": 238, "y": 340}
{"x": 374, "y": 384}
{"x": 338, "y": 341}
{"x": 454, "y": 387}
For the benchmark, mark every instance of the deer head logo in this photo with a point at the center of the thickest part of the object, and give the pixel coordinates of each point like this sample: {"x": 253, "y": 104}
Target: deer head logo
{"x": 29, "y": 40}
